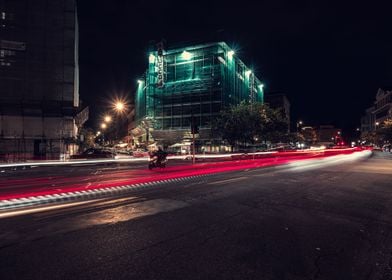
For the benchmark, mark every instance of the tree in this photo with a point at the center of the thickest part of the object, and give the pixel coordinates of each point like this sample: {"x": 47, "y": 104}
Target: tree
{"x": 245, "y": 123}
{"x": 273, "y": 125}
{"x": 86, "y": 138}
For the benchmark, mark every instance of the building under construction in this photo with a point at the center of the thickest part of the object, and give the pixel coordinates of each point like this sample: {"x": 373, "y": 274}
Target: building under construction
{"x": 40, "y": 111}
{"x": 189, "y": 86}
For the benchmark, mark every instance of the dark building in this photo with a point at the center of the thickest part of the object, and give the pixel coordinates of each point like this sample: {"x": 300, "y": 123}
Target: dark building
{"x": 328, "y": 134}
{"x": 39, "y": 79}
{"x": 277, "y": 100}
{"x": 189, "y": 85}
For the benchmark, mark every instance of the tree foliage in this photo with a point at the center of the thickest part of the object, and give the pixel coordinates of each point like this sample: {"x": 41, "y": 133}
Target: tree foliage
{"x": 384, "y": 133}
{"x": 86, "y": 138}
{"x": 247, "y": 123}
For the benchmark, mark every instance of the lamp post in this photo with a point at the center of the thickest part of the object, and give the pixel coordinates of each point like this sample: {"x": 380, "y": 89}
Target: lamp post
{"x": 299, "y": 123}
{"x": 103, "y": 127}
{"x": 119, "y": 106}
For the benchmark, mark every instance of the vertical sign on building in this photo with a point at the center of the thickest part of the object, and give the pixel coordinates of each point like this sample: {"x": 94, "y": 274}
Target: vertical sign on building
{"x": 252, "y": 88}
{"x": 160, "y": 66}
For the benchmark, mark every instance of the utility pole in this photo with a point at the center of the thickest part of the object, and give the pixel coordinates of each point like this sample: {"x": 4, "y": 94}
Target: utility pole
{"x": 193, "y": 146}
{"x": 194, "y": 130}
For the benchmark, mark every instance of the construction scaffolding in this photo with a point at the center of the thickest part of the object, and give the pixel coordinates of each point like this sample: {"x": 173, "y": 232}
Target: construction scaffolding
{"x": 193, "y": 83}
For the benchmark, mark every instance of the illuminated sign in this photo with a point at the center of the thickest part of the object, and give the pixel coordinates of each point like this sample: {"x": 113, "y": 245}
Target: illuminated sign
{"x": 160, "y": 65}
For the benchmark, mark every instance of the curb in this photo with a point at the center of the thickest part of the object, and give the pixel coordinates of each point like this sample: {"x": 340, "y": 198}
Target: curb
{"x": 79, "y": 195}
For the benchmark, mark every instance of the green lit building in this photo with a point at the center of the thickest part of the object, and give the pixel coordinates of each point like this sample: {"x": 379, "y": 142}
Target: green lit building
{"x": 190, "y": 83}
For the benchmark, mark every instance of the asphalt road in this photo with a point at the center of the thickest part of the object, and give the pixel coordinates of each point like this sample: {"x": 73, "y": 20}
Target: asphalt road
{"x": 41, "y": 178}
{"x": 44, "y": 180}
{"x": 332, "y": 222}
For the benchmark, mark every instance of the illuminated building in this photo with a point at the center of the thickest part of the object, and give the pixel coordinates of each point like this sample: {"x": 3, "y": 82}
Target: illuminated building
{"x": 379, "y": 112}
{"x": 39, "y": 80}
{"x": 192, "y": 83}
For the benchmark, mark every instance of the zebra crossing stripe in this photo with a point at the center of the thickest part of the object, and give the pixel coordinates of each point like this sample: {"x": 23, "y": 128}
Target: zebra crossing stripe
{"x": 68, "y": 196}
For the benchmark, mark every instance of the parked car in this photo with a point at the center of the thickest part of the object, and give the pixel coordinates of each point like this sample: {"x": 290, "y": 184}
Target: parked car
{"x": 93, "y": 153}
{"x": 140, "y": 153}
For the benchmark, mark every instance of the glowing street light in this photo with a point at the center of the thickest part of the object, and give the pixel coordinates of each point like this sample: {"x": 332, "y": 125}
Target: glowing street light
{"x": 103, "y": 125}
{"x": 248, "y": 72}
{"x": 139, "y": 82}
{"x": 230, "y": 54}
{"x": 119, "y": 106}
{"x": 108, "y": 119}
{"x": 298, "y": 124}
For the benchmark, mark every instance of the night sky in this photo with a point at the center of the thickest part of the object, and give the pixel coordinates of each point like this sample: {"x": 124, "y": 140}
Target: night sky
{"x": 328, "y": 57}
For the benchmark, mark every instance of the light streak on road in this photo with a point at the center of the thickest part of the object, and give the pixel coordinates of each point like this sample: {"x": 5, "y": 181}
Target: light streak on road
{"x": 40, "y": 187}
{"x": 181, "y": 157}
{"x": 327, "y": 161}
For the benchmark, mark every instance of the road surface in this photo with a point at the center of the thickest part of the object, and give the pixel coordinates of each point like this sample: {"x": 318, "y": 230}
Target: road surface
{"x": 329, "y": 222}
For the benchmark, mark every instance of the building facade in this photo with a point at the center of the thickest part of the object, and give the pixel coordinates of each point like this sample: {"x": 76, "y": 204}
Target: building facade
{"x": 379, "y": 112}
{"x": 40, "y": 112}
{"x": 329, "y": 134}
{"x": 190, "y": 85}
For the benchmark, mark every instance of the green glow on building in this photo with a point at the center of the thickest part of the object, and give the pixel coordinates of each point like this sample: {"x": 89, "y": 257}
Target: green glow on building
{"x": 151, "y": 58}
{"x": 194, "y": 82}
{"x": 186, "y": 55}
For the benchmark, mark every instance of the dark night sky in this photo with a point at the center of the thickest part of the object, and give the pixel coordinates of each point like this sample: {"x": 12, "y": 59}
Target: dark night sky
{"x": 329, "y": 57}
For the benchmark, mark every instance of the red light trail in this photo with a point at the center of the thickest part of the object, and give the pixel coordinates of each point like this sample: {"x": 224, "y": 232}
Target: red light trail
{"x": 33, "y": 187}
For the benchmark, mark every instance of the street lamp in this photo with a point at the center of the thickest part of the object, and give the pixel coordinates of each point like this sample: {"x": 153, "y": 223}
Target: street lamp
{"x": 107, "y": 119}
{"x": 103, "y": 126}
{"x": 298, "y": 124}
{"x": 119, "y": 106}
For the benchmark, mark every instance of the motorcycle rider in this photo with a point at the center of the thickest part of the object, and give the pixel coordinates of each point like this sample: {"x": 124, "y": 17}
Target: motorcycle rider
{"x": 161, "y": 155}
{"x": 158, "y": 156}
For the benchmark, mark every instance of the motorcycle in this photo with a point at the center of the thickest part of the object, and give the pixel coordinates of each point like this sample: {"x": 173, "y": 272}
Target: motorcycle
{"x": 157, "y": 162}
